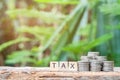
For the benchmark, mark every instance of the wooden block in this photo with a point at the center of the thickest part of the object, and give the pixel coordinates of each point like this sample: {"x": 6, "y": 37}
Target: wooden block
{"x": 54, "y": 65}
{"x": 63, "y": 66}
{"x": 73, "y": 66}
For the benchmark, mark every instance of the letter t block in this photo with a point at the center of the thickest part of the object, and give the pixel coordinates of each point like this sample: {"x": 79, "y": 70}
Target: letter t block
{"x": 54, "y": 66}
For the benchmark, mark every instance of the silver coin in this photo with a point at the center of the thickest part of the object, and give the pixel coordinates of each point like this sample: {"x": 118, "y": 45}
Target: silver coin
{"x": 85, "y": 60}
{"x": 95, "y": 62}
{"x": 93, "y": 54}
{"x": 108, "y": 63}
{"x": 101, "y": 58}
{"x": 95, "y": 69}
{"x": 108, "y": 70}
{"x": 84, "y": 57}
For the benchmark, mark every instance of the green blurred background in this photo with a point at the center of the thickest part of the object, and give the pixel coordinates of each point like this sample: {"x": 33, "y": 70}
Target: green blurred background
{"x": 35, "y": 32}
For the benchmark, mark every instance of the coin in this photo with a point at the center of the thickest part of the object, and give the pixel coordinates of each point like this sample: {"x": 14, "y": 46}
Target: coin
{"x": 96, "y": 69}
{"x": 92, "y": 54}
{"x": 84, "y": 58}
{"x": 95, "y": 62}
{"x": 101, "y": 58}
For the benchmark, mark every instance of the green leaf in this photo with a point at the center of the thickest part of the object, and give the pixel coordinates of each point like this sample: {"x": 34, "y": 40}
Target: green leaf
{"x": 86, "y": 46}
{"x": 110, "y": 8}
{"x": 115, "y": 57}
{"x": 9, "y": 43}
{"x": 69, "y": 32}
{"x": 37, "y": 30}
{"x": 47, "y": 17}
{"x": 74, "y": 47}
{"x": 40, "y": 33}
{"x": 98, "y": 41}
{"x": 64, "y": 28}
{"x": 19, "y": 57}
{"x": 59, "y": 1}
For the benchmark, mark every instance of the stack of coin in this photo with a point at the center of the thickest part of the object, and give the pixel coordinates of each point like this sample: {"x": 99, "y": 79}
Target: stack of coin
{"x": 84, "y": 58}
{"x": 93, "y": 54}
{"x": 95, "y": 66}
{"x": 108, "y": 66}
{"x": 83, "y": 66}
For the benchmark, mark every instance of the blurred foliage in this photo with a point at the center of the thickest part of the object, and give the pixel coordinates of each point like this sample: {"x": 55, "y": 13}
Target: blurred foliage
{"x": 111, "y": 9}
{"x": 115, "y": 57}
{"x": 70, "y": 27}
{"x": 47, "y": 18}
{"x": 59, "y": 1}
{"x": 9, "y": 43}
{"x": 40, "y": 33}
{"x": 82, "y": 47}
{"x": 88, "y": 27}
{"x": 22, "y": 57}
{"x": 108, "y": 21}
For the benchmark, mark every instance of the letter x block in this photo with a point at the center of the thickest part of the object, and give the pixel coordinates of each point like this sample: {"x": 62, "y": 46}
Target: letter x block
{"x": 54, "y": 66}
{"x": 73, "y": 66}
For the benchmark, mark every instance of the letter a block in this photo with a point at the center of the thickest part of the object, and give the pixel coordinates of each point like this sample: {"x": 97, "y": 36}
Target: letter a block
{"x": 63, "y": 66}
{"x": 54, "y": 66}
{"x": 73, "y": 66}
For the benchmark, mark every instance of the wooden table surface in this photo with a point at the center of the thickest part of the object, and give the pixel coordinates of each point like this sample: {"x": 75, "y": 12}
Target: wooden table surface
{"x": 45, "y": 73}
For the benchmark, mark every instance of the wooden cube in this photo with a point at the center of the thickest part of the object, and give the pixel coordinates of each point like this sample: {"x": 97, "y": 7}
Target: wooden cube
{"x": 73, "y": 66}
{"x": 63, "y": 66}
{"x": 54, "y": 66}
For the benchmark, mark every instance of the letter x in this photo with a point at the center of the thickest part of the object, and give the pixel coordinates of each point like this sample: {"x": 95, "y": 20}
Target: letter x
{"x": 72, "y": 66}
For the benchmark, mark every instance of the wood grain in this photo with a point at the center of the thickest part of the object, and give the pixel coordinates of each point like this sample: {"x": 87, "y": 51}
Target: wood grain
{"x": 36, "y": 73}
